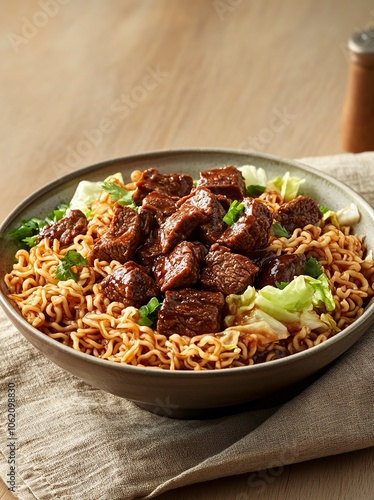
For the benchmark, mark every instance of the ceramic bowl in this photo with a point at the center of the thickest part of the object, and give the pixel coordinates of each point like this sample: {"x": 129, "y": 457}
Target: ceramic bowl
{"x": 191, "y": 394}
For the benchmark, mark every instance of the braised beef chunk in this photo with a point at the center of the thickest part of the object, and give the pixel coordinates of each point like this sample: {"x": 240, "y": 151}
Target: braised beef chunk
{"x": 210, "y": 232}
{"x": 203, "y": 199}
{"x": 227, "y": 272}
{"x": 190, "y": 312}
{"x": 66, "y": 229}
{"x": 280, "y": 269}
{"x": 130, "y": 285}
{"x": 251, "y": 231}
{"x": 125, "y": 234}
{"x": 227, "y": 181}
{"x": 177, "y": 185}
{"x": 298, "y": 213}
{"x": 180, "y": 268}
{"x": 179, "y": 226}
{"x": 147, "y": 254}
{"x": 159, "y": 206}
{"x": 146, "y": 222}
{"x": 193, "y": 212}
{"x": 208, "y": 203}
{"x": 225, "y": 202}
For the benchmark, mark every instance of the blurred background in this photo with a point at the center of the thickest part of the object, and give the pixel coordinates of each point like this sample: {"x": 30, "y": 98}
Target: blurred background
{"x": 88, "y": 80}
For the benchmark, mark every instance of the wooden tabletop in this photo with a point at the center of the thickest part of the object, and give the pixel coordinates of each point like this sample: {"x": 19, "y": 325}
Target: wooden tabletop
{"x": 85, "y": 81}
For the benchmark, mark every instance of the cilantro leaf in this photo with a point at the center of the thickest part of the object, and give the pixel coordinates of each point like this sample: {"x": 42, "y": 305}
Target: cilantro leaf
{"x": 254, "y": 190}
{"x": 279, "y": 230}
{"x": 25, "y": 235}
{"x": 119, "y": 194}
{"x": 64, "y": 270}
{"x": 31, "y": 241}
{"x": 234, "y": 212}
{"x": 313, "y": 267}
{"x": 57, "y": 213}
{"x": 26, "y": 229}
{"x": 147, "y": 311}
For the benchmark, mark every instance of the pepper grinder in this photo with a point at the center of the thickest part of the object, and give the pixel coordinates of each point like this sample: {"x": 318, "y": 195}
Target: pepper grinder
{"x": 357, "y": 127}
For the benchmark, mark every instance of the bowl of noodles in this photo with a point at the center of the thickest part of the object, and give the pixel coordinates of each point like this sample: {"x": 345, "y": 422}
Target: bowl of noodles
{"x": 191, "y": 281}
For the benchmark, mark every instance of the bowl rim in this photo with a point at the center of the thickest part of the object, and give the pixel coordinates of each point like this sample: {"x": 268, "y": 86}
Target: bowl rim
{"x": 12, "y": 311}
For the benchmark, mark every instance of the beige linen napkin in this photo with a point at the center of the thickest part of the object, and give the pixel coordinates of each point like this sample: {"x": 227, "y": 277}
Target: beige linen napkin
{"x": 76, "y": 442}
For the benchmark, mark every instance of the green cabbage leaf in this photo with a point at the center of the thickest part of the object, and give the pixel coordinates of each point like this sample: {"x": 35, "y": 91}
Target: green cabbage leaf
{"x": 87, "y": 192}
{"x": 288, "y": 186}
{"x": 255, "y": 177}
{"x": 268, "y": 311}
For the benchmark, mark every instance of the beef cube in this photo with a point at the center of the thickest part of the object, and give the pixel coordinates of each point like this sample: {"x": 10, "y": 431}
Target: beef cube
{"x": 66, "y": 229}
{"x": 179, "y": 227}
{"x": 176, "y": 185}
{"x": 212, "y": 230}
{"x": 159, "y": 206}
{"x": 227, "y": 272}
{"x": 251, "y": 231}
{"x": 146, "y": 221}
{"x": 298, "y": 213}
{"x": 190, "y": 312}
{"x": 208, "y": 203}
{"x": 227, "y": 181}
{"x": 125, "y": 234}
{"x": 203, "y": 199}
{"x": 147, "y": 254}
{"x": 180, "y": 268}
{"x": 130, "y": 285}
{"x": 281, "y": 269}
{"x": 193, "y": 212}
{"x": 224, "y": 201}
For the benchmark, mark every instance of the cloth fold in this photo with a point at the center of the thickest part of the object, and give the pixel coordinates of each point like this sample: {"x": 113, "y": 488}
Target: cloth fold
{"x": 77, "y": 442}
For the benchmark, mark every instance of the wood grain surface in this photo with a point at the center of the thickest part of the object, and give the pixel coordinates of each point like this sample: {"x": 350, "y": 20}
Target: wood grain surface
{"x": 88, "y": 80}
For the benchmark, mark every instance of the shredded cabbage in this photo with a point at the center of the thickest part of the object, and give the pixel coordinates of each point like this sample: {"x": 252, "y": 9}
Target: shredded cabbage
{"x": 270, "y": 309}
{"x": 330, "y": 216}
{"x": 322, "y": 296}
{"x": 253, "y": 176}
{"x": 296, "y": 296}
{"x": 260, "y": 321}
{"x": 346, "y": 216}
{"x": 240, "y": 305}
{"x": 288, "y": 186}
{"x": 229, "y": 339}
{"x": 302, "y": 293}
{"x": 87, "y": 192}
